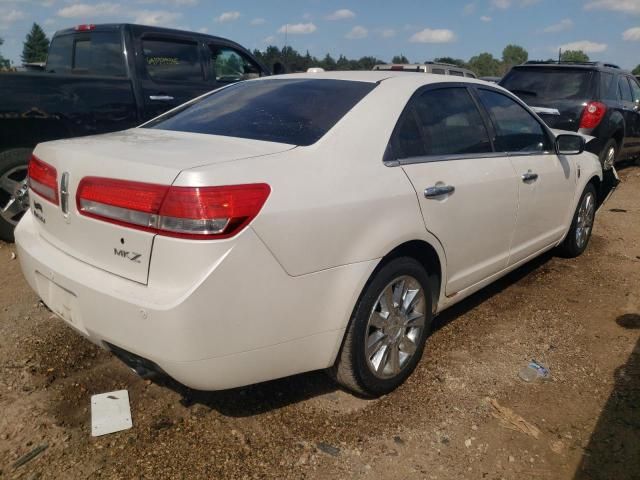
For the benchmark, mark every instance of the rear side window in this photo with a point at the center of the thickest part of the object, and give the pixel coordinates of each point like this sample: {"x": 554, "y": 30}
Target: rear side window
{"x": 172, "y": 60}
{"x": 607, "y": 90}
{"x": 533, "y": 84}
{"x": 438, "y": 71}
{"x": 635, "y": 89}
{"x": 624, "y": 90}
{"x": 297, "y": 111}
{"x": 96, "y": 53}
{"x": 448, "y": 122}
{"x": 456, "y": 73}
{"x": 517, "y": 130}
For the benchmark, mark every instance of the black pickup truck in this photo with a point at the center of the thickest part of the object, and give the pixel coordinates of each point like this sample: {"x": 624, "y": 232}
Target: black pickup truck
{"x": 104, "y": 78}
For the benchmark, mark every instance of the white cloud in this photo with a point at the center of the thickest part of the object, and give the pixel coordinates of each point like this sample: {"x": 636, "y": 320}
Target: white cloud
{"x": 228, "y": 17}
{"x": 428, "y": 35}
{"x": 626, "y": 6}
{"x": 298, "y": 28}
{"x": 586, "y": 46}
{"x": 83, "y": 10}
{"x": 156, "y": 17}
{"x": 257, "y": 21}
{"x": 469, "y": 8}
{"x": 357, "y": 32}
{"x": 632, "y": 34}
{"x": 561, "y": 26}
{"x": 172, "y": 3}
{"x": 342, "y": 14}
{"x": 486, "y": 18}
{"x": 7, "y": 17}
{"x": 387, "y": 32}
{"x": 502, "y": 4}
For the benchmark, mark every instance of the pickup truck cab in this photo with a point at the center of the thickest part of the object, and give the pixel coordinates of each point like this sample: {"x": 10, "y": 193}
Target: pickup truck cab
{"x": 104, "y": 78}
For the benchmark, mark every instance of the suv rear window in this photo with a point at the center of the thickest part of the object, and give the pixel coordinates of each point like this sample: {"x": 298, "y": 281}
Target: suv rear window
{"x": 532, "y": 84}
{"x": 297, "y": 112}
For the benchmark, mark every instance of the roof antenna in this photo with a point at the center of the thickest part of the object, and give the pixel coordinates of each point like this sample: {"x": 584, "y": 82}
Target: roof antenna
{"x": 559, "y": 55}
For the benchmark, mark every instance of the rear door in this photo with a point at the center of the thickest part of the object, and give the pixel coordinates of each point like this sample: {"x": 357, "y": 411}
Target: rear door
{"x": 629, "y": 91}
{"x": 171, "y": 70}
{"x": 546, "y": 182}
{"x": 467, "y": 193}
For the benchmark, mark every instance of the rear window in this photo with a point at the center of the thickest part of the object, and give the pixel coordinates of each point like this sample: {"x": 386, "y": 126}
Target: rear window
{"x": 532, "y": 84}
{"x": 297, "y": 111}
{"x": 95, "y": 53}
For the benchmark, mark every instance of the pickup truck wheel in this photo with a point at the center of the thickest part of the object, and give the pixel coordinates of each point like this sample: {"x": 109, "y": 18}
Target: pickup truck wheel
{"x": 609, "y": 154}
{"x": 14, "y": 197}
{"x": 386, "y": 336}
{"x": 582, "y": 225}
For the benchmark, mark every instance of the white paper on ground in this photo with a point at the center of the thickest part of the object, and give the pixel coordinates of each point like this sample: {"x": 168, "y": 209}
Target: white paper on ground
{"x": 110, "y": 412}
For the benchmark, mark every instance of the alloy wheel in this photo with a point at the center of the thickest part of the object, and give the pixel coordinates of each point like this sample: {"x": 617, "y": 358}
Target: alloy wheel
{"x": 14, "y": 194}
{"x": 395, "y": 326}
{"x": 586, "y": 215}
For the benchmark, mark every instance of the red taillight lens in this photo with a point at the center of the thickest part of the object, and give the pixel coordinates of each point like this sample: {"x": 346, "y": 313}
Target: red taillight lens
{"x": 43, "y": 179}
{"x": 187, "y": 212}
{"x": 592, "y": 114}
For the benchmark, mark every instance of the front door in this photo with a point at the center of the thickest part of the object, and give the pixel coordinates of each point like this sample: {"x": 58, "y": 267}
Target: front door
{"x": 467, "y": 193}
{"x": 631, "y": 111}
{"x": 546, "y": 181}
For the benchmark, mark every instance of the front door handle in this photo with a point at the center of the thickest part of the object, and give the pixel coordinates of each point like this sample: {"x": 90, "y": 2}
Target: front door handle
{"x": 529, "y": 177}
{"x": 438, "y": 190}
{"x": 162, "y": 98}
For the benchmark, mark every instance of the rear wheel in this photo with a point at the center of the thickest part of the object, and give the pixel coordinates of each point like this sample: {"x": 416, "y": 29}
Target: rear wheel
{"x": 388, "y": 329}
{"x": 14, "y": 198}
{"x": 582, "y": 225}
{"x": 609, "y": 154}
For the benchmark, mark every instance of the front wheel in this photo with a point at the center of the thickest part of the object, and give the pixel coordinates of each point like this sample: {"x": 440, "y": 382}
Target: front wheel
{"x": 386, "y": 336}
{"x": 14, "y": 198}
{"x": 582, "y": 224}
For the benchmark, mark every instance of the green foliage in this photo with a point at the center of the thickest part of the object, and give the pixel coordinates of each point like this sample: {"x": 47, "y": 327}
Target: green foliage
{"x": 36, "y": 45}
{"x": 400, "y": 59}
{"x": 636, "y": 71}
{"x": 485, "y": 65}
{"x": 574, "y": 56}
{"x": 293, "y": 61}
{"x": 453, "y": 61}
{"x": 514, "y": 55}
{"x": 4, "y": 63}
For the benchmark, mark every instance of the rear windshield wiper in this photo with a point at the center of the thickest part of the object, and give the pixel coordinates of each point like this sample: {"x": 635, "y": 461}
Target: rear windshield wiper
{"x": 524, "y": 92}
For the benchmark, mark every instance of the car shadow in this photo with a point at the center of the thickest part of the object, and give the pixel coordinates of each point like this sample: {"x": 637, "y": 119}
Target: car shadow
{"x": 613, "y": 451}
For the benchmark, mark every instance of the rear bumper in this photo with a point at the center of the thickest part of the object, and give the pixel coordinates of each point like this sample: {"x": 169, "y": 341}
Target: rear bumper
{"x": 242, "y": 320}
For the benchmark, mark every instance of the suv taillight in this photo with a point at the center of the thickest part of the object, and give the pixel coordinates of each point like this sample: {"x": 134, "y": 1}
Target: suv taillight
{"x": 185, "y": 212}
{"x": 43, "y": 179}
{"x": 592, "y": 114}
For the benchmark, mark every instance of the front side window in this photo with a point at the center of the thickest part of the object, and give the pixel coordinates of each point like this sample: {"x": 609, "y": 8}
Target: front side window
{"x": 173, "y": 60}
{"x": 516, "y": 129}
{"x": 440, "y": 122}
{"x": 297, "y": 112}
{"x": 624, "y": 90}
{"x": 230, "y": 65}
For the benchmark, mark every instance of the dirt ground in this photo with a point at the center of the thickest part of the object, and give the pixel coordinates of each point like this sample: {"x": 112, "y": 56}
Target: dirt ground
{"x": 581, "y": 317}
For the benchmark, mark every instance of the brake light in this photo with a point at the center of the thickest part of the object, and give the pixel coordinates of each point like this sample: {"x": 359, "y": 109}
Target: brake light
{"x": 592, "y": 114}
{"x": 43, "y": 179}
{"x": 85, "y": 27}
{"x": 185, "y": 212}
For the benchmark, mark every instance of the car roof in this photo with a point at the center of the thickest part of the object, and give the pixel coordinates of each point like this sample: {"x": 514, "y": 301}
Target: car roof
{"x": 571, "y": 65}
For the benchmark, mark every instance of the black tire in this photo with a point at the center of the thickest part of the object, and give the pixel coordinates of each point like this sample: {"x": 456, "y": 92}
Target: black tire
{"x": 571, "y": 246}
{"x": 611, "y": 144}
{"x": 10, "y": 160}
{"x": 352, "y": 368}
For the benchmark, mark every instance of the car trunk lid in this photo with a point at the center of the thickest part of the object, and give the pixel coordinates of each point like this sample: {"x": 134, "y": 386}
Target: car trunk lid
{"x": 138, "y": 155}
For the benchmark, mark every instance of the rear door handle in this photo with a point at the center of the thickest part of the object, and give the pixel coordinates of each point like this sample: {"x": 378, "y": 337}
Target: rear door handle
{"x": 438, "y": 190}
{"x": 529, "y": 177}
{"x": 163, "y": 98}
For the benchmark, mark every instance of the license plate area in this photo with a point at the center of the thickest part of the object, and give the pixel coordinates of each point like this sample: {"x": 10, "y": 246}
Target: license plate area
{"x": 62, "y": 301}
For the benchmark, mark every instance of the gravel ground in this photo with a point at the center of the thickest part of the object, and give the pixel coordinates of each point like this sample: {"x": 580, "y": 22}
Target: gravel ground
{"x": 581, "y": 317}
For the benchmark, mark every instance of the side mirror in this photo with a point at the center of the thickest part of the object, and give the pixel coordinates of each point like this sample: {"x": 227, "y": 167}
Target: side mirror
{"x": 569, "y": 144}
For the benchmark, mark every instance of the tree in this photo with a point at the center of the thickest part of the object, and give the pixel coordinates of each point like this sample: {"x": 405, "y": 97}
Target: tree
{"x": 574, "y": 56}
{"x": 485, "y": 65}
{"x": 400, "y": 59}
{"x": 453, "y": 61}
{"x": 514, "y": 55}
{"x": 328, "y": 63}
{"x": 36, "y": 45}
{"x": 4, "y": 63}
{"x": 636, "y": 71}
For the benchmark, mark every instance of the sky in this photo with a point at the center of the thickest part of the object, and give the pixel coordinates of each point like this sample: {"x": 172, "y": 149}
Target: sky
{"x": 607, "y": 30}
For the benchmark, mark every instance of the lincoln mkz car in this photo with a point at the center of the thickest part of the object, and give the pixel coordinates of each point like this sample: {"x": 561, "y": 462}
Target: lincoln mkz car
{"x": 310, "y": 221}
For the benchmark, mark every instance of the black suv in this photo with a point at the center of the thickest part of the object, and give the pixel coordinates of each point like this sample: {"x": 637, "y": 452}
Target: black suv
{"x": 597, "y": 99}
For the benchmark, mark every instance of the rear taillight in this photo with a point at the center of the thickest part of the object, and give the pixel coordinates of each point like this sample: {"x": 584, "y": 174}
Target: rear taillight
{"x": 186, "y": 212}
{"x": 43, "y": 179}
{"x": 592, "y": 114}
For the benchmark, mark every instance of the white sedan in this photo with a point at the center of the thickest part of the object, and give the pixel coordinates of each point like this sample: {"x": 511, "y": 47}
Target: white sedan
{"x": 308, "y": 221}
